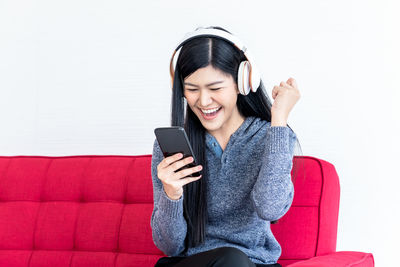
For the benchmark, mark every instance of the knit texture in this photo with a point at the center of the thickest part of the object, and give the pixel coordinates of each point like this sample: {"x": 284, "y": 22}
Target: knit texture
{"x": 249, "y": 184}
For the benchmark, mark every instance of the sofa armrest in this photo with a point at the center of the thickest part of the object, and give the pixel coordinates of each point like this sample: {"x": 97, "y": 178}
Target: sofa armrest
{"x": 338, "y": 259}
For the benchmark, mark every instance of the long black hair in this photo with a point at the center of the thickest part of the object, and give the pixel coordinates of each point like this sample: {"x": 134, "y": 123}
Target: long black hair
{"x": 198, "y": 53}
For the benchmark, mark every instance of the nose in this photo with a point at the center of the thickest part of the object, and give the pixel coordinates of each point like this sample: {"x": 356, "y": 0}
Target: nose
{"x": 205, "y": 98}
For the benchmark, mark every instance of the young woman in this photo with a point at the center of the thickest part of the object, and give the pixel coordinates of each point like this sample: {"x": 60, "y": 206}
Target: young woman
{"x": 244, "y": 150}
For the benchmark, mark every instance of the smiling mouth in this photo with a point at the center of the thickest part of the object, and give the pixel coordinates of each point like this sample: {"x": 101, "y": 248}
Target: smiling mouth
{"x": 210, "y": 110}
{"x": 211, "y": 114}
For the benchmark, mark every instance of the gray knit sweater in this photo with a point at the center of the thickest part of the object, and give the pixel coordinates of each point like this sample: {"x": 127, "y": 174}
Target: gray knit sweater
{"x": 249, "y": 184}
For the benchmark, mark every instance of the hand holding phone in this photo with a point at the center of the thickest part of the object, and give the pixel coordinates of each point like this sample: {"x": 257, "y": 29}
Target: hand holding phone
{"x": 179, "y": 164}
{"x": 173, "y": 180}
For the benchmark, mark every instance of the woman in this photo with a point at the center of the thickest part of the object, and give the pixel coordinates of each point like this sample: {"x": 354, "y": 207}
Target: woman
{"x": 244, "y": 150}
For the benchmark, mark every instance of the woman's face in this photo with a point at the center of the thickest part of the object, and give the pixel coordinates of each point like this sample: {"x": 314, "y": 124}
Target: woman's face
{"x": 207, "y": 89}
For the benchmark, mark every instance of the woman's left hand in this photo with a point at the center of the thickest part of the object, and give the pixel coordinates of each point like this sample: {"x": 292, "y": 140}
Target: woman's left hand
{"x": 286, "y": 95}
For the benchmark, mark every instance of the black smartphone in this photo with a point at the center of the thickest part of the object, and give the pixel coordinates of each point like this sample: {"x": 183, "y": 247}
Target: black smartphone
{"x": 174, "y": 140}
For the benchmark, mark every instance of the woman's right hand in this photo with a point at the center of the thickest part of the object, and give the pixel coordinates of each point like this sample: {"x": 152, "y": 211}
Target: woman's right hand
{"x": 172, "y": 181}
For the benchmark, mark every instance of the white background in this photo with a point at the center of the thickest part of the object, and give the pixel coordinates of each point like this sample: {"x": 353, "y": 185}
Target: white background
{"x": 92, "y": 78}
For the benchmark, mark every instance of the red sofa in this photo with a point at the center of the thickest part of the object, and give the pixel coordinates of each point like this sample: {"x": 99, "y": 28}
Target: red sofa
{"x": 95, "y": 211}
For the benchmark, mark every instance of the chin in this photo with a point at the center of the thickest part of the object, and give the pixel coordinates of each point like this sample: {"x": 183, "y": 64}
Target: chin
{"x": 212, "y": 126}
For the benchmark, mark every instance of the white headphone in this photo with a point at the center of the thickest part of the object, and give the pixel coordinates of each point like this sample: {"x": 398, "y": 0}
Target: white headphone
{"x": 248, "y": 74}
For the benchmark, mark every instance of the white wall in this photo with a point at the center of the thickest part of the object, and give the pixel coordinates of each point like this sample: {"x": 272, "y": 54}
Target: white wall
{"x": 91, "y": 77}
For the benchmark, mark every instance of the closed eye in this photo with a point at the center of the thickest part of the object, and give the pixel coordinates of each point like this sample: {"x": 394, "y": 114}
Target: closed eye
{"x": 214, "y": 89}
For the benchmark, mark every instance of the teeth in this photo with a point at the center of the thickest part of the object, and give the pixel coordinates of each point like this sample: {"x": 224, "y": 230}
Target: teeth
{"x": 209, "y": 110}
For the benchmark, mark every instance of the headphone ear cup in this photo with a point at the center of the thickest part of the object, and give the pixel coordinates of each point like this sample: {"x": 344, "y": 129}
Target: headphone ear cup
{"x": 255, "y": 78}
{"x": 243, "y": 77}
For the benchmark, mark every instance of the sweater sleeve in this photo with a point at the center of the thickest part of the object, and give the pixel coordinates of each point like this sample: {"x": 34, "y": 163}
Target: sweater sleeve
{"x": 167, "y": 222}
{"x": 273, "y": 192}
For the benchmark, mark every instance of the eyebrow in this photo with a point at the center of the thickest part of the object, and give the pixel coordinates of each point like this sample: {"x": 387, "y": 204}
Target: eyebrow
{"x": 206, "y": 84}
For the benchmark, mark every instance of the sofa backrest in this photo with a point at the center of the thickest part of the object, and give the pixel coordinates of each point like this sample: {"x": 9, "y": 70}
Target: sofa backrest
{"x": 309, "y": 228}
{"x": 76, "y": 211}
{"x": 95, "y": 210}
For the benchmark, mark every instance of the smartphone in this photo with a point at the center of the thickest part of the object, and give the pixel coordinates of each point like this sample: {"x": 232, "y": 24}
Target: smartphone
{"x": 174, "y": 140}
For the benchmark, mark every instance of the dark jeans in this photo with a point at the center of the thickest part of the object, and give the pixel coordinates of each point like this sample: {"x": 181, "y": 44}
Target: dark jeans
{"x": 218, "y": 257}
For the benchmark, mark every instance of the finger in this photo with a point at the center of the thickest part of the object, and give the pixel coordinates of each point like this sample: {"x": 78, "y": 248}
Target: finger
{"x": 171, "y": 159}
{"x": 283, "y": 84}
{"x": 292, "y": 82}
{"x": 180, "y": 163}
{"x": 275, "y": 91}
{"x": 189, "y": 180}
{"x": 187, "y": 171}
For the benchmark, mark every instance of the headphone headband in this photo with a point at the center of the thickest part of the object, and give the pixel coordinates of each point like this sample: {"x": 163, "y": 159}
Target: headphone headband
{"x": 205, "y": 32}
